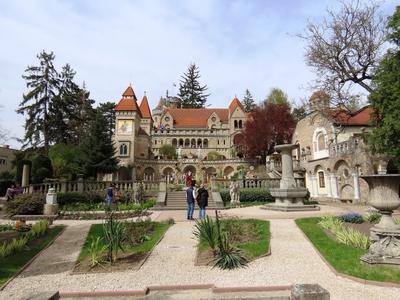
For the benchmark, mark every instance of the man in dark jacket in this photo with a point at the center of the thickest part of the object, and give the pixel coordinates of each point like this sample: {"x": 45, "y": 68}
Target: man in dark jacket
{"x": 202, "y": 201}
{"x": 190, "y": 202}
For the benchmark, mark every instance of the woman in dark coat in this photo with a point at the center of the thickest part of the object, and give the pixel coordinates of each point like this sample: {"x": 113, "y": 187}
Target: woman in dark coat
{"x": 202, "y": 201}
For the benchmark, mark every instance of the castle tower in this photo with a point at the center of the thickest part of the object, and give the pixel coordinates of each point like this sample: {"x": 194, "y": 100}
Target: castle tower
{"x": 128, "y": 119}
{"x": 147, "y": 120}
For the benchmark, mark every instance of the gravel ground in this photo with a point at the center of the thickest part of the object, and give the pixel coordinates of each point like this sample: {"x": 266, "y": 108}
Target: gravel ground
{"x": 293, "y": 260}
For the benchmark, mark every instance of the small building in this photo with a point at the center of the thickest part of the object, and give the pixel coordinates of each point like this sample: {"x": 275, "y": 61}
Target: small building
{"x": 7, "y": 155}
{"x": 333, "y": 153}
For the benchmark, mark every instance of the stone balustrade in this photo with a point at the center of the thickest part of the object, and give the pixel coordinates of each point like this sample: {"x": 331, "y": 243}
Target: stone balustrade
{"x": 251, "y": 183}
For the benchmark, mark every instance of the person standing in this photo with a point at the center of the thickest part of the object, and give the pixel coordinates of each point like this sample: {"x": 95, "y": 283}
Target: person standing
{"x": 202, "y": 195}
{"x": 190, "y": 202}
{"x": 110, "y": 195}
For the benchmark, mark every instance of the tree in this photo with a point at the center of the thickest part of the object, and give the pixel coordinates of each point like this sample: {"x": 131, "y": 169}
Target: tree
{"x": 277, "y": 96}
{"x": 268, "y": 125}
{"x": 248, "y": 101}
{"x": 41, "y": 168}
{"x": 108, "y": 110}
{"x": 168, "y": 151}
{"x": 66, "y": 160}
{"x": 98, "y": 148}
{"x": 43, "y": 83}
{"x": 385, "y": 98}
{"x": 344, "y": 49}
{"x": 191, "y": 93}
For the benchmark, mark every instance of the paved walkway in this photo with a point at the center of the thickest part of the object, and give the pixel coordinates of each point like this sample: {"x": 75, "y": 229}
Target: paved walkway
{"x": 293, "y": 260}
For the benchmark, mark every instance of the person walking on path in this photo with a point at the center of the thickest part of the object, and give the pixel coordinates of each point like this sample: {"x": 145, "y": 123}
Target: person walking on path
{"x": 202, "y": 201}
{"x": 190, "y": 202}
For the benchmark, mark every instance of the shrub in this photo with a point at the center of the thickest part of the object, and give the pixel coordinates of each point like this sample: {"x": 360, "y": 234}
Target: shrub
{"x": 373, "y": 217}
{"x": 206, "y": 230}
{"x": 72, "y": 197}
{"x": 26, "y": 204}
{"x": 6, "y": 227}
{"x": 96, "y": 249}
{"x": 39, "y": 229}
{"x": 139, "y": 231}
{"x": 352, "y": 218}
{"x": 249, "y": 196}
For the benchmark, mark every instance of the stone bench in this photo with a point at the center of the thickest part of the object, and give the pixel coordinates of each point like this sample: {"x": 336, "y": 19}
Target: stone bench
{"x": 50, "y": 218}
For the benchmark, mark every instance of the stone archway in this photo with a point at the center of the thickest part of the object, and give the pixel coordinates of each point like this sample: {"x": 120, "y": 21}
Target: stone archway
{"x": 347, "y": 192}
{"x": 149, "y": 174}
{"x": 228, "y": 171}
{"x": 124, "y": 173}
{"x": 210, "y": 172}
{"x": 168, "y": 174}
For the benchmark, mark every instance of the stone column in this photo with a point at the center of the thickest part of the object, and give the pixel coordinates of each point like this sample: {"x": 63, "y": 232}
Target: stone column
{"x": 328, "y": 184}
{"x": 356, "y": 186}
{"x": 287, "y": 181}
{"x": 334, "y": 186}
{"x": 311, "y": 185}
{"x": 25, "y": 175}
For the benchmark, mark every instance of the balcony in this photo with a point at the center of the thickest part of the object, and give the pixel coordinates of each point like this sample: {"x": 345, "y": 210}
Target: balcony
{"x": 350, "y": 146}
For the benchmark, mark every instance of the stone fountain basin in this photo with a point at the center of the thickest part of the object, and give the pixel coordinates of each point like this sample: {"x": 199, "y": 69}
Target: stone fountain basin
{"x": 289, "y": 193}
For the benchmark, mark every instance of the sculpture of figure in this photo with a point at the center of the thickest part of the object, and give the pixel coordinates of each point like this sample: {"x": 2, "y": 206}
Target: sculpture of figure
{"x": 234, "y": 193}
{"x": 139, "y": 193}
{"x": 179, "y": 152}
{"x": 199, "y": 153}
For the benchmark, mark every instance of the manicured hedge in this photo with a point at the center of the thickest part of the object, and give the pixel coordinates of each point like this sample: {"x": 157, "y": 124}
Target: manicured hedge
{"x": 249, "y": 195}
{"x": 26, "y": 204}
{"x": 75, "y": 197}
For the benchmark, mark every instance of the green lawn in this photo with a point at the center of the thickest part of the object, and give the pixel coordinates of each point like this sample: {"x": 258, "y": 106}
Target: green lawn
{"x": 12, "y": 264}
{"x": 345, "y": 259}
{"x": 257, "y": 229}
{"x": 96, "y": 230}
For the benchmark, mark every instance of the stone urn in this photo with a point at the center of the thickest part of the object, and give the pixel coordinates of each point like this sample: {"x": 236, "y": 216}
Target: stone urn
{"x": 385, "y": 236}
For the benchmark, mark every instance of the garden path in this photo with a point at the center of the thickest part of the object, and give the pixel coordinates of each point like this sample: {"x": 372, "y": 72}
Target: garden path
{"x": 293, "y": 260}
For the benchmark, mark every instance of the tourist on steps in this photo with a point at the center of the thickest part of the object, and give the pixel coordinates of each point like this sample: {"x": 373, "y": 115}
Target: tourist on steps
{"x": 202, "y": 201}
{"x": 190, "y": 202}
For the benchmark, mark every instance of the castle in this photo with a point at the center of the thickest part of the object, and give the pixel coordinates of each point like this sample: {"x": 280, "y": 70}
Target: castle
{"x": 206, "y": 139}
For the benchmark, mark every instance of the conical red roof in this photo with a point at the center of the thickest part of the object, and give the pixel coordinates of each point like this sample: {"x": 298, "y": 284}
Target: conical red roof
{"x": 128, "y": 101}
{"x": 144, "y": 108}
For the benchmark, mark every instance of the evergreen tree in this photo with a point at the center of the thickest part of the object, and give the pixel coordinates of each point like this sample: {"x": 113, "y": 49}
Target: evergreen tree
{"x": 191, "y": 93}
{"x": 43, "y": 83}
{"x": 385, "y": 99}
{"x": 98, "y": 148}
{"x": 108, "y": 111}
{"x": 248, "y": 101}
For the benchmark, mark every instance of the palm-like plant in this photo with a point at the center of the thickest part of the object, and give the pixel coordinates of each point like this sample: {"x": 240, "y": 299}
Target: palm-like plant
{"x": 206, "y": 230}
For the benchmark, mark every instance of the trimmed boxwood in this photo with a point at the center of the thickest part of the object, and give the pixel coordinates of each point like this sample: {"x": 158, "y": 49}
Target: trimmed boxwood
{"x": 249, "y": 195}
{"x": 75, "y": 197}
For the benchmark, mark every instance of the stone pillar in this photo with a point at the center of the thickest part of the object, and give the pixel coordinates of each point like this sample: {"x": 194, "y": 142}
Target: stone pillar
{"x": 328, "y": 184}
{"x": 334, "y": 186}
{"x": 287, "y": 181}
{"x": 163, "y": 186}
{"x": 356, "y": 182}
{"x": 51, "y": 206}
{"x": 214, "y": 184}
{"x": 25, "y": 175}
{"x": 315, "y": 186}
{"x": 311, "y": 185}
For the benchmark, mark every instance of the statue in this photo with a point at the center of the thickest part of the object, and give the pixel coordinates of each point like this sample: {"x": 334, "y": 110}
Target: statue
{"x": 179, "y": 152}
{"x": 234, "y": 193}
{"x": 199, "y": 155}
{"x": 139, "y": 193}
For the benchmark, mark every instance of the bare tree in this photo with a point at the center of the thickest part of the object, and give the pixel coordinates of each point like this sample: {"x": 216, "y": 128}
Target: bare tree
{"x": 344, "y": 49}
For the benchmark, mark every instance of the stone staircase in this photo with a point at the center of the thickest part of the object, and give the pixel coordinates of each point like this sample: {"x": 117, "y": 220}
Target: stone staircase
{"x": 177, "y": 201}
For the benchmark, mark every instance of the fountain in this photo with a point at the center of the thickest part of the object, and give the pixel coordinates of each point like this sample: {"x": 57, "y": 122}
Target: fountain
{"x": 289, "y": 197}
{"x": 385, "y": 236}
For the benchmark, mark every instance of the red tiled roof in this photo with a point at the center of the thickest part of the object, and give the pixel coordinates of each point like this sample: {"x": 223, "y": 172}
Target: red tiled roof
{"x": 235, "y": 103}
{"x": 128, "y": 101}
{"x": 361, "y": 117}
{"x": 196, "y": 117}
{"x": 144, "y": 108}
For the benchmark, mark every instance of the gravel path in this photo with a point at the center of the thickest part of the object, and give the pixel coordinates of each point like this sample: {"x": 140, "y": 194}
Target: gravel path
{"x": 293, "y": 260}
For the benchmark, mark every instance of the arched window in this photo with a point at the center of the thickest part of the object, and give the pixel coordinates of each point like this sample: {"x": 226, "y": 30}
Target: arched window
{"x": 235, "y": 124}
{"x": 320, "y": 143}
{"x": 240, "y": 124}
{"x": 123, "y": 149}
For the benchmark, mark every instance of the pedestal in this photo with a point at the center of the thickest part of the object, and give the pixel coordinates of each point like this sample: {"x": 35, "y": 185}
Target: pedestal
{"x": 290, "y": 200}
{"x": 50, "y": 209}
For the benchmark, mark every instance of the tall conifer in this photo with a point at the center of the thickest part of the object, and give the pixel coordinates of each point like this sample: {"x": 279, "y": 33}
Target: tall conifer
{"x": 191, "y": 93}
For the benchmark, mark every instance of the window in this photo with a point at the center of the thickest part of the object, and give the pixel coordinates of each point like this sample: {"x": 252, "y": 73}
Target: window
{"x": 2, "y": 161}
{"x": 321, "y": 142}
{"x": 213, "y": 119}
{"x": 321, "y": 179}
{"x": 240, "y": 123}
{"x": 166, "y": 119}
{"x": 235, "y": 123}
{"x": 123, "y": 149}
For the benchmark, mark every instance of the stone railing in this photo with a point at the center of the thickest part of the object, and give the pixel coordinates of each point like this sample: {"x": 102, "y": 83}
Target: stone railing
{"x": 218, "y": 184}
{"x": 90, "y": 186}
{"x": 350, "y": 146}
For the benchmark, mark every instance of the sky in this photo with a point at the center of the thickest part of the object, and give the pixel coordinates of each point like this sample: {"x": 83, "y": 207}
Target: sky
{"x": 237, "y": 45}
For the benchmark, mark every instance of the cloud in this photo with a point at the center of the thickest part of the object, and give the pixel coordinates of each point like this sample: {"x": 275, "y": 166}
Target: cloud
{"x": 237, "y": 44}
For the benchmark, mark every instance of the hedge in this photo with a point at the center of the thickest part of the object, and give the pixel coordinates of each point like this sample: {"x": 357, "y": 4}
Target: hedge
{"x": 249, "y": 196}
{"x": 75, "y": 197}
{"x": 26, "y": 204}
